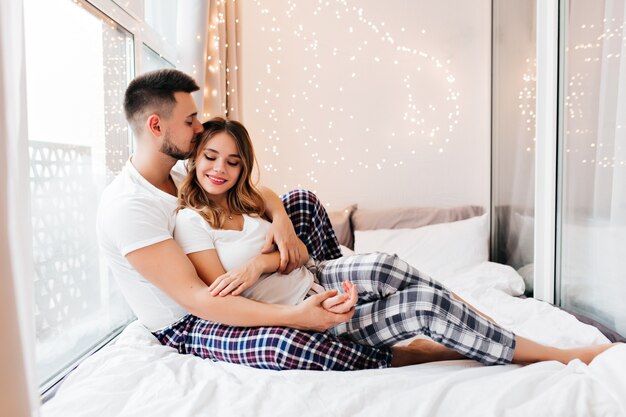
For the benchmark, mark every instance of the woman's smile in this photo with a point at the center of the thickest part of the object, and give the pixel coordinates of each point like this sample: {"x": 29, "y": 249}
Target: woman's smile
{"x": 216, "y": 180}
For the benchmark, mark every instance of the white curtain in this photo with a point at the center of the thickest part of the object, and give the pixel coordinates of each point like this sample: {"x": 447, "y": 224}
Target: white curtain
{"x": 18, "y": 394}
{"x": 191, "y": 33}
{"x": 612, "y": 131}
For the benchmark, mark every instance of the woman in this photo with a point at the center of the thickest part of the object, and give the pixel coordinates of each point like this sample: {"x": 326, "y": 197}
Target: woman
{"x": 220, "y": 226}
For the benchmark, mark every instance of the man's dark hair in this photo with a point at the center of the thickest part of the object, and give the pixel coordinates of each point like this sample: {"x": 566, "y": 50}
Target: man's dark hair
{"x": 153, "y": 92}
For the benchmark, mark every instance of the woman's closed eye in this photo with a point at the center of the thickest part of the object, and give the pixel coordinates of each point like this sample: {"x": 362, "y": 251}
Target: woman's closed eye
{"x": 231, "y": 163}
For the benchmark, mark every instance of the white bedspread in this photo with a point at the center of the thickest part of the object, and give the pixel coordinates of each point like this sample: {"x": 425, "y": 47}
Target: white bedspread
{"x": 138, "y": 377}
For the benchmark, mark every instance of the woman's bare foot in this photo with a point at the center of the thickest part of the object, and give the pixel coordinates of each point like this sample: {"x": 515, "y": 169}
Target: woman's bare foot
{"x": 342, "y": 303}
{"x": 527, "y": 351}
{"x": 585, "y": 354}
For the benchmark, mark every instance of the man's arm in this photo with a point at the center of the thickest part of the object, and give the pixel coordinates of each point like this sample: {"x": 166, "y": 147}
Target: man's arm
{"x": 166, "y": 266}
{"x": 282, "y": 233}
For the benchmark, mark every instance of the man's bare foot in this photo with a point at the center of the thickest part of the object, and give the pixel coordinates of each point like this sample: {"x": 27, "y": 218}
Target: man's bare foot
{"x": 434, "y": 350}
{"x": 422, "y": 351}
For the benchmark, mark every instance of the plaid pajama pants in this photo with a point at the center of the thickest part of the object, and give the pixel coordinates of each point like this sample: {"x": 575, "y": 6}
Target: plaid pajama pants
{"x": 312, "y": 224}
{"x": 278, "y": 347}
{"x": 396, "y": 302}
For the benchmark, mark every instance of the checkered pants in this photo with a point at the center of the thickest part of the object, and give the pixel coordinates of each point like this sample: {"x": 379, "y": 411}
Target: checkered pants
{"x": 396, "y": 302}
{"x": 312, "y": 224}
{"x": 279, "y": 347}
{"x": 275, "y": 348}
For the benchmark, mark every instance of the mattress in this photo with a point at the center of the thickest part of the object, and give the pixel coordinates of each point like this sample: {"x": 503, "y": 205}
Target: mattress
{"x": 136, "y": 376}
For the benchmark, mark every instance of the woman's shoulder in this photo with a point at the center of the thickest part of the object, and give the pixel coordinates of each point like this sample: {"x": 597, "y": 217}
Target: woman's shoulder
{"x": 187, "y": 213}
{"x": 188, "y": 216}
{"x": 255, "y": 218}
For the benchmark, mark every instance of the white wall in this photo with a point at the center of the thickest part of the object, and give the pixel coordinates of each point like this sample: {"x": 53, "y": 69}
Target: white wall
{"x": 380, "y": 103}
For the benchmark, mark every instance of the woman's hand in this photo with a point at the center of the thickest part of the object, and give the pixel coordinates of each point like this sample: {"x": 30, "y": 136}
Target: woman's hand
{"x": 284, "y": 235}
{"x": 311, "y": 315}
{"x": 342, "y": 303}
{"x": 237, "y": 280}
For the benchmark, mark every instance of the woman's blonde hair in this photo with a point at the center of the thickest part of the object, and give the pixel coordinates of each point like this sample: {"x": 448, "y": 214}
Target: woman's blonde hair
{"x": 243, "y": 197}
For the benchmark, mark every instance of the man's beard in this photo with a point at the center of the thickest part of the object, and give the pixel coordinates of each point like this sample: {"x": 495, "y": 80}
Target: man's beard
{"x": 168, "y": 148}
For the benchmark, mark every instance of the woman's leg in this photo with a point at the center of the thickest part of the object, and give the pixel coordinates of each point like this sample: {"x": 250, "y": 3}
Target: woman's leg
{"x": 312, "y": 224}
{"x": 275, "y": 348}
{"x": 527, "y": 351}
{"x": 314, "y": 228}
{"x": 397, "y": 302}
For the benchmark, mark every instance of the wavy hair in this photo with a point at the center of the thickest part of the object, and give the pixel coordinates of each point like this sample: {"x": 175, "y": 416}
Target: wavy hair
{"x": 243, "y": 198}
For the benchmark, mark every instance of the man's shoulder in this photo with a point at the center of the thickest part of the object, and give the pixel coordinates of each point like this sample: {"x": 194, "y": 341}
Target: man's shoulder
{"x": 126, "y": 200}
{"x": 122, "y": 192}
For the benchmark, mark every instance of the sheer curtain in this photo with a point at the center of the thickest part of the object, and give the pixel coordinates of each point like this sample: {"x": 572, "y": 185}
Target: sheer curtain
{"x": 593, "y": 240}
{"x": 210, "y": 32}
{"x": 18, "y": 396}
{"x": 223, "y": 58}
{"x": 191, "y": 31}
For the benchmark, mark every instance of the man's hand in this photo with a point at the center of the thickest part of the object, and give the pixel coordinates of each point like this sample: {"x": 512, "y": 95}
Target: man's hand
{"x": 284, "y": 235}
{"x": 312, "y": 316}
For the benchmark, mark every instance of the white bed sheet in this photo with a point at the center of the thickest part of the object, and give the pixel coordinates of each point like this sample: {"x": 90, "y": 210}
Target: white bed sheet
{"x": 139, "y": 377}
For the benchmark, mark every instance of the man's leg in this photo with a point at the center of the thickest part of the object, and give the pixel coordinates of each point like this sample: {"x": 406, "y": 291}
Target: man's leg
{"x": 312, "y": 224}
{"x": 276, "y": 348}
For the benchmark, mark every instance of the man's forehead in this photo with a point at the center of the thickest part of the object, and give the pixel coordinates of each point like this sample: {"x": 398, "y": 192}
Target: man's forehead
{"x": 185, "y": 102}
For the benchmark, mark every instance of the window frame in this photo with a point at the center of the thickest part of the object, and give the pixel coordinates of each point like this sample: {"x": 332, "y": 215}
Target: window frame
{"x": 142, "y": 34}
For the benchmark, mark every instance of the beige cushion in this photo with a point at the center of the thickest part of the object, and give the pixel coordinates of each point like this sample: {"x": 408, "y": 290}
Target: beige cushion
{"x": 341, "y": 222}
{"x": 410, "y": 217}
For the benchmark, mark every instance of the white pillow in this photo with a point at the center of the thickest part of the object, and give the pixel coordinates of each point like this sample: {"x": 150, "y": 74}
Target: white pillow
{"x": 439, "y": 250}
{"x": 346, "y": 251}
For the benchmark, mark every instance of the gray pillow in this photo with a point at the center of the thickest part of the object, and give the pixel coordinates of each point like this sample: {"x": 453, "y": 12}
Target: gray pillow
{"x": 341, "y": 221}
{"x": 411, "y": 217}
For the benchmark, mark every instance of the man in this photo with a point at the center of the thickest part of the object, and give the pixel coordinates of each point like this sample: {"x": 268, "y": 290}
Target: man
{"x": 135, "y": 226}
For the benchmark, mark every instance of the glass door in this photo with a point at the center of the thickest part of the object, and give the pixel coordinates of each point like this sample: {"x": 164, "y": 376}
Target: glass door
{"x": 591, "y": 211}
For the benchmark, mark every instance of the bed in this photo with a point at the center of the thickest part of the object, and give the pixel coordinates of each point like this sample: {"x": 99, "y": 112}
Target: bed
{"x": 136, "y": 376}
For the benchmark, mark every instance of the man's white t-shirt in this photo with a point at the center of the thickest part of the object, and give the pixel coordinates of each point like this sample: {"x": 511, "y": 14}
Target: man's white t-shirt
{"x": 236, "y": 247}
{"x": 134, "y": 214}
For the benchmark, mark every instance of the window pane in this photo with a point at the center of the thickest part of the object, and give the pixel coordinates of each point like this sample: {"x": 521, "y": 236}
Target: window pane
{"x": 593, "y": 210}
{"x": 153, "y": 61}
{"x": 161, "y": 16}
{"x": 78, "y": 140}
{"x": 513, "y": 144}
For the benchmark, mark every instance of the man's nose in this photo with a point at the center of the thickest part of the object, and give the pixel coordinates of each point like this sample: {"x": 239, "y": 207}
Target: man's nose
{"x": 198, "y": 126}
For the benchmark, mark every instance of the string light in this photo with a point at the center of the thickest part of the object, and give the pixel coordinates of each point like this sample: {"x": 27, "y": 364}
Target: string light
{"x": 416, "y": 120}
{"x": 586, "y": 56}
